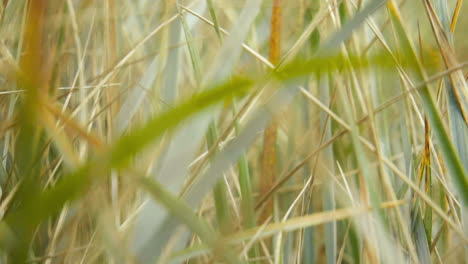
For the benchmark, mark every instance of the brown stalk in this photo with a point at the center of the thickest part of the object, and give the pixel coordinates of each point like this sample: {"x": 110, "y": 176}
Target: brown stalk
{"x": 112, "y": 58}
{"x": 270, "y": 134}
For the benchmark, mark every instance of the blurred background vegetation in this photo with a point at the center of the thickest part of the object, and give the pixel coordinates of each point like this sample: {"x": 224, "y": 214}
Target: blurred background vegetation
{"x": 247, "y": 131}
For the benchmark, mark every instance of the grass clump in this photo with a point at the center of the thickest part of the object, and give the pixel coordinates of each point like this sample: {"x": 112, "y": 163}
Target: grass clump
{"x": 233, "y": 131}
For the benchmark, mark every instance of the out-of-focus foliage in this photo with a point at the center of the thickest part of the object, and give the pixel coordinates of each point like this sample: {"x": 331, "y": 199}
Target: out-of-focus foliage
{"x": 132, "y": 131}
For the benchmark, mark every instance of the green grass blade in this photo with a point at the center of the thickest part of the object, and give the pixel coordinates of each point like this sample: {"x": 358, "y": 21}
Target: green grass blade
{"x": 328, "y": 195}
{"x": 185, "y": 214}
{"x": 40, "y": 206}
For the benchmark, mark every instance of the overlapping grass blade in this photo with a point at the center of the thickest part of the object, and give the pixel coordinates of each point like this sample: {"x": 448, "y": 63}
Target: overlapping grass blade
{"x": 189, "y": 137}
{"x": 39, "y": 206}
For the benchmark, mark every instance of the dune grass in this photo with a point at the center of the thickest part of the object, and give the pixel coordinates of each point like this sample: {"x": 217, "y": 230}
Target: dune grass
{"x": 213, "y": 131}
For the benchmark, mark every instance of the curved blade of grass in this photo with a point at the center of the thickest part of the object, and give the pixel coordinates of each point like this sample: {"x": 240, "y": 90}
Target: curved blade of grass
{"x": 39, "y": 206}
{"x": 301, "y": 67}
